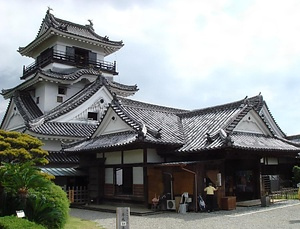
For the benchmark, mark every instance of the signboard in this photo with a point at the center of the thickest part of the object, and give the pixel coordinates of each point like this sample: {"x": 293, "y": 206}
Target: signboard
{"x": 20, "y": 214}
{"x": 123, "y": 215}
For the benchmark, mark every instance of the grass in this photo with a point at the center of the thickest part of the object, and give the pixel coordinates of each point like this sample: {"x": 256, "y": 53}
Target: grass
{"x": 76, "y": 223}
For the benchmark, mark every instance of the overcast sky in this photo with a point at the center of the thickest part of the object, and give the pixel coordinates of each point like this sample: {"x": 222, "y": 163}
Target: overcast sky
{"x": 187, "y": 54}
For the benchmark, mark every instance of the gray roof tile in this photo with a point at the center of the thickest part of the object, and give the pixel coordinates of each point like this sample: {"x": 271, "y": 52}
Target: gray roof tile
{"x": 190, "y": 131}
{"x": 60, "y": 157}
{"x": 64, "y": 129}
{"x": 260, "y": 142}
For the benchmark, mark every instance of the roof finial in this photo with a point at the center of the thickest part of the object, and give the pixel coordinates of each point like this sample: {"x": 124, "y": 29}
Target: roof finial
{"x": 49, "y": 9}
{"x": 91, "y": 22}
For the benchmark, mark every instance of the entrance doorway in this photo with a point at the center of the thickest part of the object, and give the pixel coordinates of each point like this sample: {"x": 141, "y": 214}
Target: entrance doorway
{"x": 124, "y": 181}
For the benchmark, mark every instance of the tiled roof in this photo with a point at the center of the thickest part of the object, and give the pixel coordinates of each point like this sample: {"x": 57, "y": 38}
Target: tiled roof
{"x": 116, "y": 87}
{"x": 260, "y": 142}
{"x": 104, "y": 141}
{"x": 26, "y": 106}
{"x": 122, "y": 89}
{"x": 190, "y": 131}
{"x": 64, "y": 172}
{"x": 60, "y": 157}
{"x": 202, "y": 127}
{"x": 52, "y": 25}
{"x": 64, "y": 129}
{"x": 162, "y": 124}
{"x": 70, "y": 77}
{"x": 294, "y": 138}
{"x": 86, "y": 31}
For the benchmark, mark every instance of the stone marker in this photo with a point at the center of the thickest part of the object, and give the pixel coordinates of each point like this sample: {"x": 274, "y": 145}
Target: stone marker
{"x": 123, "y": 215}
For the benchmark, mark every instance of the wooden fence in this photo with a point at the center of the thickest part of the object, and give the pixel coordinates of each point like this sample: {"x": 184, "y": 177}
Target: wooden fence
{"x": 78, "y": 194}
{"x": 286, "y": 193}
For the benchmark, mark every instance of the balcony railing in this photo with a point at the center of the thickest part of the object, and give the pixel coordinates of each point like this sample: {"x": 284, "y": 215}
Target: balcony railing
{"x": 72, "y": 60}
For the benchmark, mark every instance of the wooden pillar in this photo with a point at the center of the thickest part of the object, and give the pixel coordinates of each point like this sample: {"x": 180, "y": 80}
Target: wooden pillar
{"x": 145, "y": 179}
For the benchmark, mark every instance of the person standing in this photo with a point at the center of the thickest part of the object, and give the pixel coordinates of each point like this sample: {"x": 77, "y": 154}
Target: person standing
{"x": 210, "y": 191}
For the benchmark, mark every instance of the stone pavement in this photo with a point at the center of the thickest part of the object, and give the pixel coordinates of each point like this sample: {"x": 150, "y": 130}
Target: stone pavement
{"x": 284, "y": 214}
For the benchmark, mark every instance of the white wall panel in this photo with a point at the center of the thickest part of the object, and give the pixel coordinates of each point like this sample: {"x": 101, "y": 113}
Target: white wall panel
{"x": 133, "y": 156}
{"x": 138, "y": 175}
{"x": 109, "y": 176}
{"x": 113, "y": 158}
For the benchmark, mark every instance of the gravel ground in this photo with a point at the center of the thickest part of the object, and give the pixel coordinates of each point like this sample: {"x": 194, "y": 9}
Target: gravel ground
{"x": 284, "y": 214}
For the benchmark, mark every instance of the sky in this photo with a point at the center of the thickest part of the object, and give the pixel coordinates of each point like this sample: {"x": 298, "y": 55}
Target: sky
{"x": 188, "y": 54}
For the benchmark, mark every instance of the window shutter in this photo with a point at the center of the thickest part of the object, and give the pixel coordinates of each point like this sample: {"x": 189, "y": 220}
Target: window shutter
{"x": 70, "y": 51}
{"x": 92, "y": 57}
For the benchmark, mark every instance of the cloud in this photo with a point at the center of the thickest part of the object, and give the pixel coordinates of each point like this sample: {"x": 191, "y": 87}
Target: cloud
{"x": 187, "y": 55}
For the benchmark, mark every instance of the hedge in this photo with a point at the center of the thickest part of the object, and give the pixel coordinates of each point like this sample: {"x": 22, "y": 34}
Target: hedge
{"x": 13, "y": 222}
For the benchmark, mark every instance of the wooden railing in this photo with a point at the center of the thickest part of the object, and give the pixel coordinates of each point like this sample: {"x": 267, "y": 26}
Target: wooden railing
{"x": 73, "y": 60}
{"x": 77, "y": 194}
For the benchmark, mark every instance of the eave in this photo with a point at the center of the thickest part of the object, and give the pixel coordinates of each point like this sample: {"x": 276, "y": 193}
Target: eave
{"x": 52, "y": 32}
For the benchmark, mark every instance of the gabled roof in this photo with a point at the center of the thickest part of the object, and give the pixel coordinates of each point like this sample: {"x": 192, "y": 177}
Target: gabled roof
{"x": 161, "y": 124}
{"x": 52, "y": 26}
{"x": 187, "y": 131}
{"x": 203, "y": 128}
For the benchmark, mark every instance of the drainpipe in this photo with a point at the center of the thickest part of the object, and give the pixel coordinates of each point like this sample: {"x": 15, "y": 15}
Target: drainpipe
{"x": 196, "y": 190}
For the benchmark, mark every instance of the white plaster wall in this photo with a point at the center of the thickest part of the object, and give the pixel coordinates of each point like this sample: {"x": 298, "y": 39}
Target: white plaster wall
{"x": 113, "y": 158}
{"x": 15, "y": 122}
{"x": 109, "y": 176}
{"x": 133, "y": 156}
{"x": 74, "y": 89}
{"x": 40, "y": 92}
{"x": 138, "y": 175}
{"x": 153, "y": 157}
{"x": 51, "y": 93}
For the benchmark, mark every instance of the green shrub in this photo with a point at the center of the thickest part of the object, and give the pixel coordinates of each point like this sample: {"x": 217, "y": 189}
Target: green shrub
{"x": 24, "y": 187}
{"x": 12, "y": 222}
{"x": 49, "y": 207}
{"x": 296, "y": 171}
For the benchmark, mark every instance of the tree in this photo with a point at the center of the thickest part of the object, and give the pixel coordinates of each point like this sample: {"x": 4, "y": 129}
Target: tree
{"x": 18, "y": 147}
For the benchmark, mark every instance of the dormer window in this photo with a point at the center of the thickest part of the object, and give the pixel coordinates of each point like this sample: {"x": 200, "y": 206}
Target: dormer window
{"x": 93, "y": 116}
{"x": 62, "y": 90}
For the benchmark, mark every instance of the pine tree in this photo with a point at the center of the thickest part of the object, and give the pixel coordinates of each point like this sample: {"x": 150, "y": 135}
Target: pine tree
{"x": 18, "y": 147}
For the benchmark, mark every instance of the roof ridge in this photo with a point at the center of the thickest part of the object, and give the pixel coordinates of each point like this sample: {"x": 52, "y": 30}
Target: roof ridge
{"x": 242, "y": 102}
{"x": 139, "y": 104}
{"x": 76, "y": 74}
